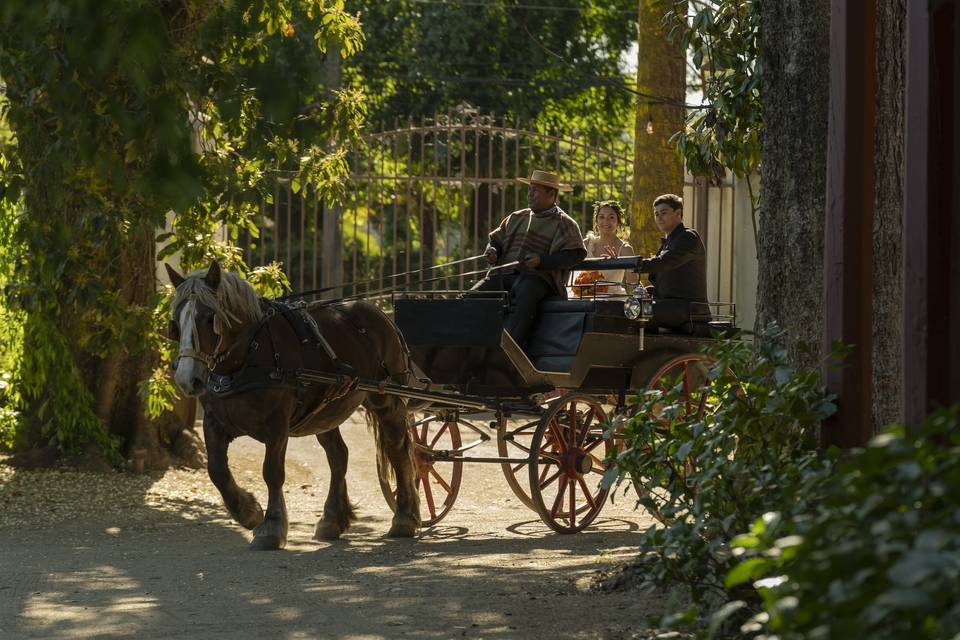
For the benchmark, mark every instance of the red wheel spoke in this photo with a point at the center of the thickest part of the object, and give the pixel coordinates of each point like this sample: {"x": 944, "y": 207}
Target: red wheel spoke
{"x": 587, "y": 494}
{"x": 574, "y": 422}
{"x": 686, "y": 387}
{"x": 593, "y": 445}
{"x": 544, "y": 483}
{"x": 424, "y": 428}
{"x": 588, "y": 420}
{"x": 550, "y": 456}
{"x": 440, "y": 432}
{"x": 558, "y": 437}
{"x": 543, "y": 474}
{"x": 703, "y": 403}
{"x": 440, "y": 480}
{"x": 559, "y": 499}
{"x": 428, "y": 494}
{"x": 597, "y": 463}
{"x": 573, "y": 504}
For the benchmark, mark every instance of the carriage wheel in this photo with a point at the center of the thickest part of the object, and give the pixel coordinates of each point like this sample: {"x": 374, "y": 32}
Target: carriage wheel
{"x": 691, "y": 371}
{"x": 514, "y": 442}
{"x": 567, "y": 463}
{"x": 437, "y": 481}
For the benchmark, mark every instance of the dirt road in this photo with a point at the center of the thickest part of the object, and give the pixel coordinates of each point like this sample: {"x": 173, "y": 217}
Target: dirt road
{"x": 155, "y": 556}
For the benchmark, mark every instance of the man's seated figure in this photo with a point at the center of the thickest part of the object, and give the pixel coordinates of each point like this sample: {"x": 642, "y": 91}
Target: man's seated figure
{"x": 544, "y": 241}
{"x": 678, "y": 273}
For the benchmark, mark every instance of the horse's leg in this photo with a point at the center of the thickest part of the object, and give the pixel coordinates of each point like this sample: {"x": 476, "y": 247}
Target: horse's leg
{"x": 337, "y": 511}
{"x": 395, "y": 439}
{"x": 241, "y": 504}
{"x": 271, "y": 534}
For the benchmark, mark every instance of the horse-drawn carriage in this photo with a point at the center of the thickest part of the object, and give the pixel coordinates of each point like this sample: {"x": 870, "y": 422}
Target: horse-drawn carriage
{"x": 552, "y": 408}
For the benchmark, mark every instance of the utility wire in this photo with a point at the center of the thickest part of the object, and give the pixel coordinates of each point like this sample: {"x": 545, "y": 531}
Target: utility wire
{"x": 522, "y": 7}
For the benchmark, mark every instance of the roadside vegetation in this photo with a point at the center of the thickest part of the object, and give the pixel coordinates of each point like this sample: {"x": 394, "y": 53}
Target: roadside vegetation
{"x": 774, "y": 537}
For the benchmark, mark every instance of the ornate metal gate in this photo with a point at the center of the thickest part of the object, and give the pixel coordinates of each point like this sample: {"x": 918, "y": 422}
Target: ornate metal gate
{"x": 426, "y": 194}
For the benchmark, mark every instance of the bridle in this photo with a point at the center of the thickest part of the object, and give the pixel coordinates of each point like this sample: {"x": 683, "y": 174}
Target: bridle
{"x": 218, "y": 356}
{"x": 193, "y": 351}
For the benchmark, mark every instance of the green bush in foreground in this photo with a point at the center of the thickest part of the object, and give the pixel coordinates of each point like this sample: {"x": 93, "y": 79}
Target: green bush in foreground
{"x": 708, "y": 474}
{"x": 878, "y": 554}
{"x": 777, "y": 540}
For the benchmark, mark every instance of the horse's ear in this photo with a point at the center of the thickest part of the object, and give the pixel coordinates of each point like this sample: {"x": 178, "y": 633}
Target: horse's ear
{"x": 213, "y": 275}
{"x": 175, "y": 278}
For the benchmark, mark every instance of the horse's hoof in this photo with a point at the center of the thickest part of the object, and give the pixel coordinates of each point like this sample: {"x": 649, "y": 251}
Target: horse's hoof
{"x": 402, "y": 530}
{"x": 251, "y": 514}
{"x": 267, "y": 543}
{"x": 327, "y": 531}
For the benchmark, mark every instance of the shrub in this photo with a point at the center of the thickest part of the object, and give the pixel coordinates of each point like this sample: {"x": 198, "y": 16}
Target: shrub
{"x": 707, "y": 475}
{"x": 876, "y": 556}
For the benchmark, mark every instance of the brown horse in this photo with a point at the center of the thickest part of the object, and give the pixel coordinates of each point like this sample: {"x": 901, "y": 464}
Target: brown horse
{"x": 240, "y": 355}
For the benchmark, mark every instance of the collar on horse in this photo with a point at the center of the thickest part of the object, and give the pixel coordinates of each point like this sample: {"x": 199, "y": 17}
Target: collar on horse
{"x": 248, "y": 378}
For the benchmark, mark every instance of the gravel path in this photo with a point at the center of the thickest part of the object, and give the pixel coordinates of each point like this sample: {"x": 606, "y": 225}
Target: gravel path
{"x": 87, "y": 555}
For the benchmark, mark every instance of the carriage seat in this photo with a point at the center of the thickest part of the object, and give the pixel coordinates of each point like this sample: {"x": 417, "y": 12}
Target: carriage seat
{"x": 558, "y": 331}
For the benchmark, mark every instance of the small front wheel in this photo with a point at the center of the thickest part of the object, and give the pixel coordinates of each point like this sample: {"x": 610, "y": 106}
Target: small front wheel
{"x": 567, "y": 454}
{"x": 437, "y": 481}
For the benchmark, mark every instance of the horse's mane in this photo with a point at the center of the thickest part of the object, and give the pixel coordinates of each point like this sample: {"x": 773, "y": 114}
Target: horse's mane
{"x": 234, "y": 302}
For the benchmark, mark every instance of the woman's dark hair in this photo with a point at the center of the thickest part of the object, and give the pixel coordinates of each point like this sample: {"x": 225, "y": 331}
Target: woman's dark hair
{"x": 613, "y": 204}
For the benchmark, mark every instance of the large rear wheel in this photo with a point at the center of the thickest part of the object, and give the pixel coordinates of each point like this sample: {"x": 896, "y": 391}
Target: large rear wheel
{"x": 567, "y": 454}
{"x": 689, "y": 374}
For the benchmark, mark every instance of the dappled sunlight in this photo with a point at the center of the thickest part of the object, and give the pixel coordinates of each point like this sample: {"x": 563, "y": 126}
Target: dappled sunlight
{"x": 156, "y": 556}
{"x": 58, "y": 608}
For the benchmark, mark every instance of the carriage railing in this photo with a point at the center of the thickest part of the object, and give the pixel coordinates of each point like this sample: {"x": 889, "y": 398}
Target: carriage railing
{"x": 712, "y": 312}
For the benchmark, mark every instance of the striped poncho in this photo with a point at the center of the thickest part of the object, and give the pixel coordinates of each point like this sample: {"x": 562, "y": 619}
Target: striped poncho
{"x": 546, "y": 233}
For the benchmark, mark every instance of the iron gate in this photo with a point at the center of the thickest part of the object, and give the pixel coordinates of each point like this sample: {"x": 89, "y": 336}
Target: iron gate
{"x": 424, "y": 195}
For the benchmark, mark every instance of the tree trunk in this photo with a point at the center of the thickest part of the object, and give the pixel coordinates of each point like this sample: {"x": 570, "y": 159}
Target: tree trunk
{"x": 795, "y": 92}
{"x": 888, "y": 212}
{"x": 657, "y": 167}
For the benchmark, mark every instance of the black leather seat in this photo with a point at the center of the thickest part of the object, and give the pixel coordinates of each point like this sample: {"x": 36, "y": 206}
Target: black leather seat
{"x": 558, "y": 331}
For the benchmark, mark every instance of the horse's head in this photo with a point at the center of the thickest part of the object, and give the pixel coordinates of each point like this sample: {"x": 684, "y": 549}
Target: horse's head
{"x": 211, "y": 308}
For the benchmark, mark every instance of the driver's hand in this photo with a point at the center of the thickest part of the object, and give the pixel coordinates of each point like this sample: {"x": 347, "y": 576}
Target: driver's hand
{"x": 491, "y": 255}
{"x": 531, "y": 262}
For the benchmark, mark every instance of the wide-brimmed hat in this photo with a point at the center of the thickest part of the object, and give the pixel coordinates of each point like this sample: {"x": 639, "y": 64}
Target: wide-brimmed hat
{"x": 545, "y": 179}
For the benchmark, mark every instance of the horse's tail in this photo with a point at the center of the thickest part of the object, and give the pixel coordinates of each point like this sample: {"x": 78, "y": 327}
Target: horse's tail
{"x": 383, "y": 460}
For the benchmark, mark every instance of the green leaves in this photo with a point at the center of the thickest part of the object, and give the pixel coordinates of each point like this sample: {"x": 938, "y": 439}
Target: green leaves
{"x": 559, "y": 66}
{"x": 876, "y": 551}
{"x": 723, "y": 39}
{"x": 725, "y": 482}
{"x": 746, "y": 570}
{"x": 120, "y": 112}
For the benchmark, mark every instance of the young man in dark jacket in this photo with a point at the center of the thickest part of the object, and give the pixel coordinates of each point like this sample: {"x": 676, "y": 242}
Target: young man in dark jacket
{"x": 678, "y": 273}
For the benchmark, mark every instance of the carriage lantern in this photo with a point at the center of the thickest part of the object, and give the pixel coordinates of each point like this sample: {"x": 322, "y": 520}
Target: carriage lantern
{"x": 639, "y": 306}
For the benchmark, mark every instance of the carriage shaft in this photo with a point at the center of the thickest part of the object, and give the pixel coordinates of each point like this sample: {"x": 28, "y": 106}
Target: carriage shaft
{"x": 389, "y": 388}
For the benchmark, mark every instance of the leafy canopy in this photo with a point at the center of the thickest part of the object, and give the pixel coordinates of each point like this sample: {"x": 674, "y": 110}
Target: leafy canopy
{"x": 559, "y": 65}
{"x": 121, "y": 112}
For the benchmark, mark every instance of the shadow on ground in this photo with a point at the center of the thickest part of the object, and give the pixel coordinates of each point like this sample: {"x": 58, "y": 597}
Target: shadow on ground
{"x": 156, "y": 557}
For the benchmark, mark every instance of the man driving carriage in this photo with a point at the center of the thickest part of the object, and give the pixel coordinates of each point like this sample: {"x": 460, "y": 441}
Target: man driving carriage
{"x": 537, "y": 247}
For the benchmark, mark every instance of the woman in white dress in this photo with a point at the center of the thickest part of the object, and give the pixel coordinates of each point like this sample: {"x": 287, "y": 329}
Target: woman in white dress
{"x": 604, "y": 242}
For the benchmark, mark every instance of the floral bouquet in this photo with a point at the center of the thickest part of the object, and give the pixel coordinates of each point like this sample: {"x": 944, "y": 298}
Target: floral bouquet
{"x": 583, "y": 284}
